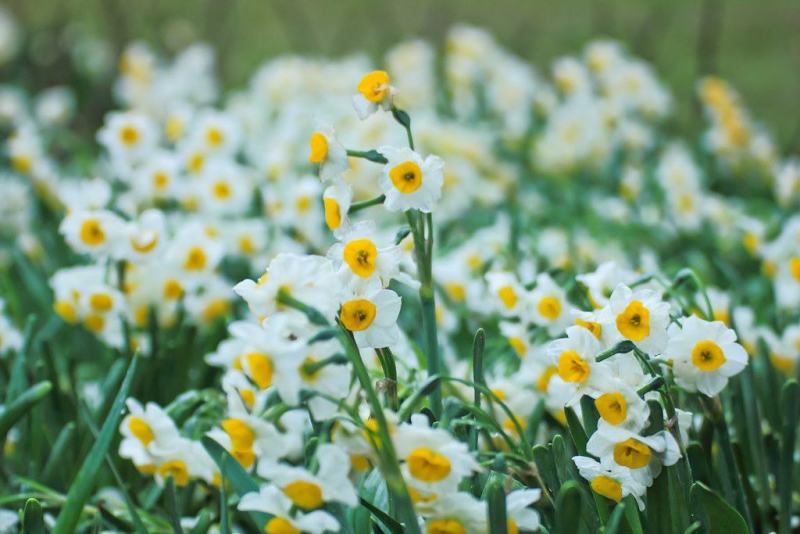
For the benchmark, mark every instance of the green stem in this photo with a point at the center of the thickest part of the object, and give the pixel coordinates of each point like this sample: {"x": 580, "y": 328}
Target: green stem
{"x": 358, "y": 206}
{"x": 388, "y": 456}
{"x": 371, "y": 155}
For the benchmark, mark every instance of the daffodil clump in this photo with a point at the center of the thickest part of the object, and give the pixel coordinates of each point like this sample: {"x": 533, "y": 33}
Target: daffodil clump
{"x": 450, "y": 295}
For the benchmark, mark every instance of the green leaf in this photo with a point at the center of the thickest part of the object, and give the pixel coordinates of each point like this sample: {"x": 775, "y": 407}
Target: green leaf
{"x": 495, "y": 496}
{"x": 543, "y": 458}
{"x": 233, "y": 471}
{"x": 411, "y": 403}
{"x": 172, "y": 506}
{"x": 14, "y": 410}
{"x": 387, "y": 520}
{"x": 568, "y": 507}
{"x": 32, "y": 519}
{"x": 615, "y": 520}
{"x": 790, "y": 400}
{"x": 720, "y": 517}
{"x": 576, "y": 431}
{"x": 85, "y": 480}
{"x": 589, "y": 414}
{"x": 56, "y": 458}
{"x": 18, "y": 382}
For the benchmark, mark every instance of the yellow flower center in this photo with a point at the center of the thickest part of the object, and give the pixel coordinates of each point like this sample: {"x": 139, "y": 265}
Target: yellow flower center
{"x": 571, "y": 367}
{"x": 511, "y": 527}
{"x": 242, "y": 436}
{"x": 279, "y": 525}
{"x": 94, "y": 322}
{"x": 214, "y": 309}
{"x": 544, "y": 378}
{"x": 794, "y": 267}
{"x": 595, "y": 328}
{"x": 456, "y": 291}
{"x": 357, "y": 314}
{"x": 303, "y": 203}
{"x": 66, "y": 311}
{"x": 406, "y": 177}
{"x": 215, "y": 137}
{"x": 195, "y": 259}
{"x": 607, "y": 487}
{"x": 304, "y": 494}
{"x": 221, "y": 190}
{"x": 612, "y": 407}
{"x": 445, "y": 526}
{"x": 177, "y": 470}
{"x": 160, "y": 180}
{"x": 92, "y": 233}
{"x": 196, "y": 163}
{"x": 518, "y": 345}
{"x": 632, "y": 453}
{"x": 359, "y": 462}
{"x": 428, "y": 465}
{"x": 101, "y": 301}
{"x": 173, "y": 128}
{"x": 508, "y": 296}
{"x": 308, "y": 373}
{"x": 141, "y": 430}
{"x": 129, "y": 135}
{"x": 333, "y": 214}
{"x": 260, "y": 367}
{"x": 549, "y": 308}
{"x": 319, "y": 148}
{"x": 707, "y": 356}
{"x": 173, "y": 289}
{"x": 144, "y": 242}
{"x": 374, "y": 86}
{"x": 360, "y": 255}
{"x": 634, "y": 321}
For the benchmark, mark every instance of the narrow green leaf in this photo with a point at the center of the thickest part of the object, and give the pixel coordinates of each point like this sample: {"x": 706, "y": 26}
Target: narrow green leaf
{"x": 32, "y": 519}
{"x": 546, "y": 467}
{"x": 720, "y": 517}
{"x": 495, "y": 496}
{"x": 568, "y": 507}
{"x": 18, "y": 382}
{"x": 15, "y": 409}
{"x": 576, "y": 431}
{"x": 172, "y": 506}
{"x": 615, "y": 519}
{"x": 233, "y": 471}
{"x": 84, "y": 482}
{"x": 790, "y": 400}
{"x": 411, "y": 403}
{"x": 56, "y": 458}
{"x": 387, "y": 520}
{"x": 589, "y": 415}
{"x": 632, "y": 516}
{"x": 224, "y": 520}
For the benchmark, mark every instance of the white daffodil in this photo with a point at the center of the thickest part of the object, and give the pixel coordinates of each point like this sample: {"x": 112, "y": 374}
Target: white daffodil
{"x": 455, "y": 512}
{"x": 574, "y": 358}
{"x": 358, "y": 254}
{"x": 639, "y": 316}
{"x": 521, "y": 517}
{"x": 96, "y": 232}
{"x": 549, "y": 305}
{"x": 146, "y": 236}
{"x": 185, "y": 460}
{"x": 409, "y": 182}
{"x": 284, "y": 519}
{"x": 620, "y": 405}
{"x": 374, "y": 91}
{"x": 704, "y": 355}
{"x": 146, "y": 433}
{"x": 643, "y": 455}
{"x": 308, "y": 490}
{"x": 509, "y": 295}
{"x": 370, "y": 313}
{"x": 336, "y": 200}
{"x": 433, "y": 459}
{"x": 610, "y": 480}
{"x": 326, "y": 151}
{"x": 309, "y": 279}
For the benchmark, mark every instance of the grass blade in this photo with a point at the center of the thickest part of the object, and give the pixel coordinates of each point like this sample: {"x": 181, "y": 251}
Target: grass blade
{"x": 14, "y": 410}
{"x": 85, "y": 480}
{"x": 790, "y": 398}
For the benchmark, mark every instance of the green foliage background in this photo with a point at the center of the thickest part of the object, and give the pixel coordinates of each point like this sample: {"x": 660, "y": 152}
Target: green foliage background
{"x": 754, "y": 43}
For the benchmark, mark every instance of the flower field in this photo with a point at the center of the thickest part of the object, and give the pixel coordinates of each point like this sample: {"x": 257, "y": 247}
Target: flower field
{"x": 445, "y": 291}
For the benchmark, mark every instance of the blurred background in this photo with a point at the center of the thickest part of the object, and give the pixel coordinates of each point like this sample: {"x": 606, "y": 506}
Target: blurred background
{"x": 754, "y": 44}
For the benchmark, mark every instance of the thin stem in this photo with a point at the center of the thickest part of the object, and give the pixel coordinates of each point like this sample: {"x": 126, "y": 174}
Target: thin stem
{"x": 388, "y": 456}
{"x": 358, "y": 206}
